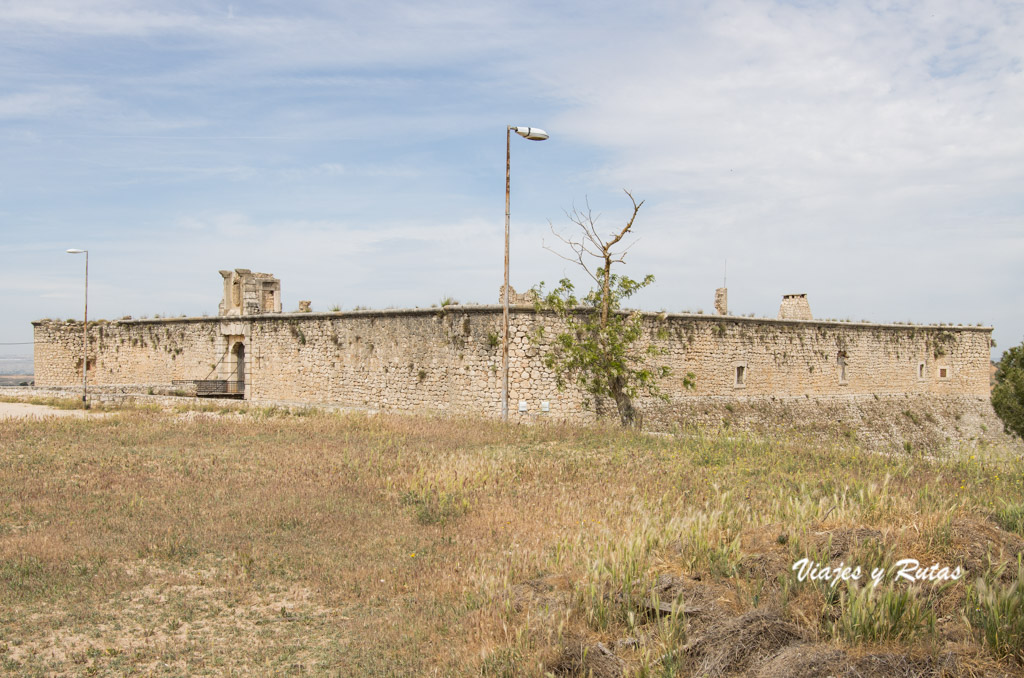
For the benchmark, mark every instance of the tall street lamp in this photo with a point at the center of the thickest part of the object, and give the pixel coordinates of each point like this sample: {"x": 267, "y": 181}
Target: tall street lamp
{"x": 533, "y": 134}
{"x": 85, "y": 328}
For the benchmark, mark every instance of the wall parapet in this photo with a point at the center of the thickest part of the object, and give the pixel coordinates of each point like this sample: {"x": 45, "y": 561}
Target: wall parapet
{"x": 520, "y": 308}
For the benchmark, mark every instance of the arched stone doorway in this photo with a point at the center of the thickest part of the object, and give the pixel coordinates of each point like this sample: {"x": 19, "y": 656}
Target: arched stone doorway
{"x": 237, "y": 385}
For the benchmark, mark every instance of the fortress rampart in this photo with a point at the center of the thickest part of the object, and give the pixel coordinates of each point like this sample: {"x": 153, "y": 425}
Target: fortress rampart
{"x": 449, "y": 359}
{"x": 793, "y": 371}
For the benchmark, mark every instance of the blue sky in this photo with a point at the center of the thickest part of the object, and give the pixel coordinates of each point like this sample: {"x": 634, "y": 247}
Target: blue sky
{"x": 869, "y": 154}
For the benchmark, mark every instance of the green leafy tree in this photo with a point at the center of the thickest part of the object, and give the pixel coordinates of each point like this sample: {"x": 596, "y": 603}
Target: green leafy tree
{"x": 599, "y": 350}
{"x": 1008, "y": 393}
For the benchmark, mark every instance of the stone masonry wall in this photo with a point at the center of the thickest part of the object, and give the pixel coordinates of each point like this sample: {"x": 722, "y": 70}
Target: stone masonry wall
{"x": 126, "y": 352}
{"x": 449, "y": 359}
{"x": 433, "y": 360}
{"x": 797, "y": 358}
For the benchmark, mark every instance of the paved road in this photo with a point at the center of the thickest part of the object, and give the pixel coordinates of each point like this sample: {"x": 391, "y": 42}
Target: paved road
{"x": 27, "y": 411}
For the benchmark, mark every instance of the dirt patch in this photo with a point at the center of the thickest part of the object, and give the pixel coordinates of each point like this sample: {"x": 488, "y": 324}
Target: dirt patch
{"x": 580, "y": 658}
{"x": 28, "y": 411}
{"x": 705, "y": 604}
{"x": 893, "y": 665}
{"x": 740, "y": 643}
{"x": 765, "y": 555}
{"x": 812, "y": 660}
{"x": 155, "y": 624}
{"x": 197, "y": 415}
{"x": 552, "y": 592}
{"x": 978, "y": 542}
{"x": 803, "y": 661}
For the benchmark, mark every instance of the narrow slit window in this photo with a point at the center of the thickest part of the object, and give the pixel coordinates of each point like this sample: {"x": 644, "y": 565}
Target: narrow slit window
{"x": 920, "y": 372}
{"x": 740, "y": 375}
{"x": 841, "y": 361}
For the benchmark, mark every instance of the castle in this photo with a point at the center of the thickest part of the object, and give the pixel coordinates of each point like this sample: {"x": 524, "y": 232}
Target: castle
{"x": 449, "y": 359}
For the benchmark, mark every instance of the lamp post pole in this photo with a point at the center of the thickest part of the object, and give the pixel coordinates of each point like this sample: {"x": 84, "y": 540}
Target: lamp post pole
{"x": 533, "y": 134}
{"x": 85, "y": 330}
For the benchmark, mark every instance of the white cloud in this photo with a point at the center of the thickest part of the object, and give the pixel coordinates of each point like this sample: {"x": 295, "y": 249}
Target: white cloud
{"x": 869, "y": 154}
{"x": 44, "y": 101}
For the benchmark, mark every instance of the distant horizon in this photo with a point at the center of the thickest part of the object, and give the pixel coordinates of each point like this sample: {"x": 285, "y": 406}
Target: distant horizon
{"x": 17, "y": 366}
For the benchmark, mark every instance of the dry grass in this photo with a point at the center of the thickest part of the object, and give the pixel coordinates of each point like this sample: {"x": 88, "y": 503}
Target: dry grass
{"x": 172, "y": 543}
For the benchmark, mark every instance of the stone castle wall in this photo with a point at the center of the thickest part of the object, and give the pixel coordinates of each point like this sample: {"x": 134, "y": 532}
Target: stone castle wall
{"x": 126, "y": 352}
{"x": 449, "y": 359}
{"x": 796, "y": 358}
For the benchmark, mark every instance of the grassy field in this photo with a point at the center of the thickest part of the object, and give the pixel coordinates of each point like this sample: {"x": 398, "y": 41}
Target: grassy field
{"x": 204, "y": 543}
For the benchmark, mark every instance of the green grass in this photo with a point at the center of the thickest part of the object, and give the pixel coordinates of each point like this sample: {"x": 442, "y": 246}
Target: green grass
{"x": 869, "y": 614}
{"x": 1010, "y": 516}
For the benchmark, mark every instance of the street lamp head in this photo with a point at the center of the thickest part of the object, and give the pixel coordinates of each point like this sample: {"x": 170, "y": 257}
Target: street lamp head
{"x": 76, "y": 251}
{"x": 531, "y": 133}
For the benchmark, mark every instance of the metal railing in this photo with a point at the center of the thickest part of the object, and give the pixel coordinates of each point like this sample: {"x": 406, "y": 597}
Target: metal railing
{"x": 219, "y": 387}
{"x": 216, "y": 388}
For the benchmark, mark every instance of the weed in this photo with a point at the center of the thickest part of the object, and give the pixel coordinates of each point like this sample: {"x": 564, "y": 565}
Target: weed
{"x": 996, "y": 613}
{"x": 617, "y": 585}
{"x": 872, "y": 614}
{"x": 1010, "y": 517}
{"x": 502, "y": 663}
{"x": 435, "y": 506}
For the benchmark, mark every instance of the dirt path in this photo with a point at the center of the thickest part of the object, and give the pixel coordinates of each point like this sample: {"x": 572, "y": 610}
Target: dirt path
{"x": 27, "y": 411}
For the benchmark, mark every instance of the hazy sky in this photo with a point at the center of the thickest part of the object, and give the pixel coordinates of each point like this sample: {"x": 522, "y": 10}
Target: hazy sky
{"x": 868, "y": 154}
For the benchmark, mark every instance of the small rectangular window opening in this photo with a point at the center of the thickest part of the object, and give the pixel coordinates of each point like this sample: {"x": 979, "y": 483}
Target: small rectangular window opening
{"x": 741, "y": 375}
{"x": 943, "y": 373}
{"x": 920, "y": 372}
{"x": 841, "y": 361}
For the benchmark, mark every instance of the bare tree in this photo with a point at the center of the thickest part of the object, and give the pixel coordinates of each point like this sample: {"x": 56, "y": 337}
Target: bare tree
{"x": 591, "y": 244}
{"x": 597, "y": 351}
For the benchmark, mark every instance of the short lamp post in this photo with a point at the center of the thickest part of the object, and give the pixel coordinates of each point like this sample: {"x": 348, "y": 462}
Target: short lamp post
{"x": 85, "y": 329}
{"x": 533, "y": 134}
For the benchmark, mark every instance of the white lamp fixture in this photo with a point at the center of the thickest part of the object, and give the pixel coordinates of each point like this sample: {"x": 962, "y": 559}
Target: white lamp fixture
{"x": 533, "y": 134}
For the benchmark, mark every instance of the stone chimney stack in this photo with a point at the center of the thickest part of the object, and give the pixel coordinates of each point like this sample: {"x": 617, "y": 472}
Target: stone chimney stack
{"x": 722, "y": 301}
{"x": 795, "y": 307}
